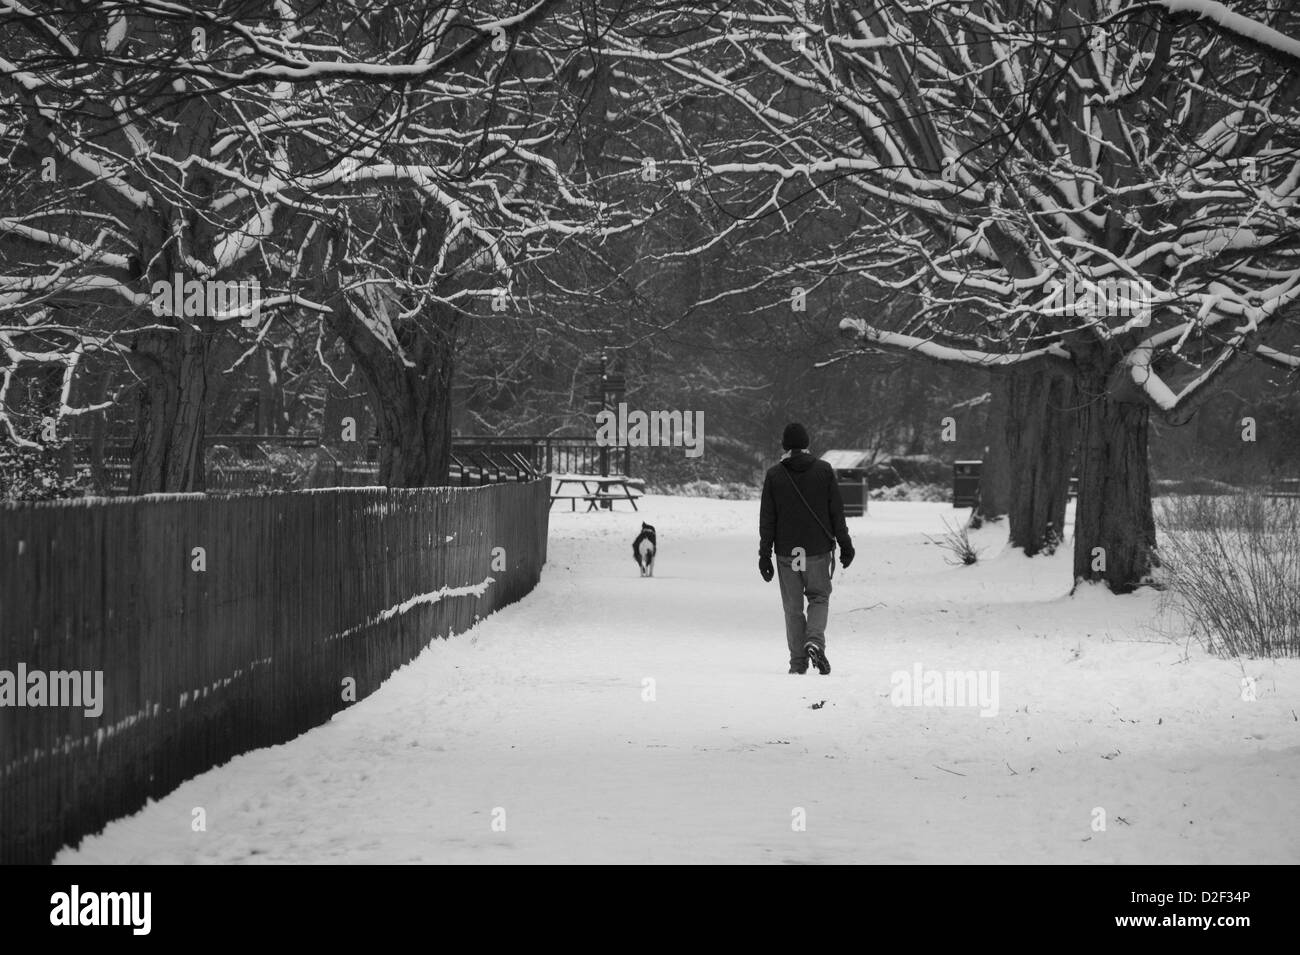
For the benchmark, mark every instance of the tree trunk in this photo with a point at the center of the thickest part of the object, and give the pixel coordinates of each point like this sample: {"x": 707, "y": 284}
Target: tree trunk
{"x": 1114, "y": 527}
{"x": 347, "y": 440}
{"x": 412, "y": 402}
{"x": 995, "y": 473}
{"x": 167, "y": 455}
{"x": 414, "y": 421}
{"x": 99, "y": 478}
{"x": 1040, "y": 439}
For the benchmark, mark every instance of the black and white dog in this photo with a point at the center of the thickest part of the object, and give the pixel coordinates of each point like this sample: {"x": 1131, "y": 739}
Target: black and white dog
{"x": 643, "y": 549}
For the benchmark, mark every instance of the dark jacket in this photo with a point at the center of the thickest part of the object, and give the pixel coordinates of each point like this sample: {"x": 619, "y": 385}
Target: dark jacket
{"x": 785, "y": 523}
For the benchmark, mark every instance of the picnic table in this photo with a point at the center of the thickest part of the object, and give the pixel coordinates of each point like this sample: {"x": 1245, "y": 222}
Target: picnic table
{"x": 596, "y": 489}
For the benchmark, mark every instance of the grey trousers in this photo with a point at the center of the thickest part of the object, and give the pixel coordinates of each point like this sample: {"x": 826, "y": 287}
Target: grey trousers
{"x": 813, "y": 582}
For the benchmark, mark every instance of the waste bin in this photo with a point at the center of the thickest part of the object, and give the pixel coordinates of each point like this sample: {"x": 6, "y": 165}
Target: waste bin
{"x": 966, "y": 483}
{"x": 851, "y": 474}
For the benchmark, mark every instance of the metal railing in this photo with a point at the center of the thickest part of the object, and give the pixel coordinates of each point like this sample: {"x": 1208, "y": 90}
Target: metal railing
{"x": 476, "y": 460}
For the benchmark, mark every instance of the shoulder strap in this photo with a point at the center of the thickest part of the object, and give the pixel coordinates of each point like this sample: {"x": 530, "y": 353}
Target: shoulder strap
{"x": 794, "y": 484}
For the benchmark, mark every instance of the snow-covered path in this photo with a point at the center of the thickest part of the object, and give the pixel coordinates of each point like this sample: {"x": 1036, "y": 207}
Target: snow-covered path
{"x": 538, "y": 718}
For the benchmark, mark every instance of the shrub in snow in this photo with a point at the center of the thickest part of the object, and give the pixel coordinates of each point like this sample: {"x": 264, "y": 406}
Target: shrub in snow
{"x": 1193, "y": 486}
{"x": 37, "y": 474}
{"x": 920, "y": 469}
{"x": 956, "y": 540}
{"x": 277, "y": 469}
{"x": 1232, "y": 567}
{"x": 1051, "y": 540}
{"x": 937, "y": 493}
{"x": 721, "y": 490}
{"x": 882, "y": 475}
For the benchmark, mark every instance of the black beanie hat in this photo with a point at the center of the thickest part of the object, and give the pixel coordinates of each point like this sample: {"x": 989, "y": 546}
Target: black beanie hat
{"x": 794, "y": 437}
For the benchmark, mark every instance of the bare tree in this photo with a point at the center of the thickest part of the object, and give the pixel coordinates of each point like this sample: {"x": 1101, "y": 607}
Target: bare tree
{"x": 1096, "y": 198}
{"x": 381, "y": 168}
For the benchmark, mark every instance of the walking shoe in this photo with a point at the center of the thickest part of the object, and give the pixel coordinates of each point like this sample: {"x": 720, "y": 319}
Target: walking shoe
{"x": 817, "y": 657}
{"x": 798, "y": 669}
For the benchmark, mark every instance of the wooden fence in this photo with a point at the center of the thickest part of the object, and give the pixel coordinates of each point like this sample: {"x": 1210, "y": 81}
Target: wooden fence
{"x": 224, "y": 623}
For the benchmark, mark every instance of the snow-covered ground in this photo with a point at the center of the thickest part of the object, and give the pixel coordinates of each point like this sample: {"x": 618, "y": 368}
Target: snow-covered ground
{"x": 541, "y": 719}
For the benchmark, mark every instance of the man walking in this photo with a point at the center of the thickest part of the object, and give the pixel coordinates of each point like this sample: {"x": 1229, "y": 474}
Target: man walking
{"x": 802, "y": 515}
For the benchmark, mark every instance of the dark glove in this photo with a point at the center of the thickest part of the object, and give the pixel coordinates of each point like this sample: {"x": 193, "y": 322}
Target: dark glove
{"x": 766, "y": 569}
{"x": 846, "y": 555}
